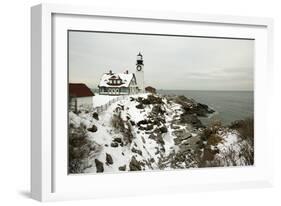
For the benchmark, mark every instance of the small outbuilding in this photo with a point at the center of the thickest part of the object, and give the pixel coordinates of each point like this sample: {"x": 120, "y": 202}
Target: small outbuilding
{"x": 150, "y": 89}
{"x": 80, "y": 96}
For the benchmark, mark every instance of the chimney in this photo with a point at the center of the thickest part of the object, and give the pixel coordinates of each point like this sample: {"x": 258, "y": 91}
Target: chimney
{"x": 126, "y": 72}
{"x": 110, "y": 71}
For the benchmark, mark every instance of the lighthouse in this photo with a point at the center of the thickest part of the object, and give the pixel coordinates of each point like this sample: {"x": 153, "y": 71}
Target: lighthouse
{"x": 139, "y": 72}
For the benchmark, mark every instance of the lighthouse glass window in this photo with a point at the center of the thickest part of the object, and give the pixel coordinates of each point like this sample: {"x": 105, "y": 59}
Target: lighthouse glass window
{"x": 143, "y": 102}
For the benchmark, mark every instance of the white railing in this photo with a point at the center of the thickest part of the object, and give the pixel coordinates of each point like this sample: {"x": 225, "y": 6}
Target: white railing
{"x": 104, "y": 107}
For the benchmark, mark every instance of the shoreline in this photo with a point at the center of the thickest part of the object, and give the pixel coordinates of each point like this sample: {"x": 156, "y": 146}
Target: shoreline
{"x": 230, "y": 105}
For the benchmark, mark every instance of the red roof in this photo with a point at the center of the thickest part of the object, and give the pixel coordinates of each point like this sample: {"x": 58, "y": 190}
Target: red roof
{"x": 150, "y": 89}
{"x": 79, "y": 90}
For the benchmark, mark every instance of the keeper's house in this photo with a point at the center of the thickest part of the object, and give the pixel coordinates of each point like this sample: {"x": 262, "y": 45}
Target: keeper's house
{"x": 118, "y": 84}
{"x": 80, "y": 96}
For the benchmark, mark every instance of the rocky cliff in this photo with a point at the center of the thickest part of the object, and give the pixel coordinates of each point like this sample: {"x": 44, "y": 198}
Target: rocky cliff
{"x": 149, "y": 132}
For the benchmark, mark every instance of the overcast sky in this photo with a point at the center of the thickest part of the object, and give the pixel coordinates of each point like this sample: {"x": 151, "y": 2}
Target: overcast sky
{"x": 175, "y": 63}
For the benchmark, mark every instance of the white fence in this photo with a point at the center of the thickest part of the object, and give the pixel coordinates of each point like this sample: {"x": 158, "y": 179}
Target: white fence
{"x": 104, "y": 107}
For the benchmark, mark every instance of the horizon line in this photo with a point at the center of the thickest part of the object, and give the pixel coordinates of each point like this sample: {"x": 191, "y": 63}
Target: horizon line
{"x": 199, "y": 90}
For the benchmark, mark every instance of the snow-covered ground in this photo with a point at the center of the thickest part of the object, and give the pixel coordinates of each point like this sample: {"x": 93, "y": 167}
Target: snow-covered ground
{"x": 145, "y": 150}
{"x": 148, "y": 150}
{"x": 99, "y": 100}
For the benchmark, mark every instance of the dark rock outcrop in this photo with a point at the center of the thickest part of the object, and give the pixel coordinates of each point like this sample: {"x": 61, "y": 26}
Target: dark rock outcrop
{"x": 163, "y": 129}
{"x": 146, "y": 127}
{"x": 122, "y": 168}
{"x": 99, "y": 165}
{"x": 109, "y": 159}
{"x": 192, "y": 110}
{"x": 151, "y": 99}
{"x": 140, "y": 106}
{"x": 93, "y": 129}
{"x": 137, "y": 151}
{"x": 157, "y": 137}
{"x": 135, "y": 165}
{"x": 157, "y": 109}
{"x": 132, "y": 123}
{"x": 114, "y": 144}
{"x": 145, "y": 121}
{"x": 118, "y": 140}
{"x": 95, "y": 115}
{"x": 191, "y": 119}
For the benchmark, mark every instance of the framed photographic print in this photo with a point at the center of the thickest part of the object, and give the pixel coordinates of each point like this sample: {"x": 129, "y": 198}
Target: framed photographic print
{"x": 135, "y": 102}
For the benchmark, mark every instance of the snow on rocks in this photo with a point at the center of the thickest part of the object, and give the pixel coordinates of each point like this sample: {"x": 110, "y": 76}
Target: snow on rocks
{"x": 144, "y": 132}
{"x": 153, "y": 136}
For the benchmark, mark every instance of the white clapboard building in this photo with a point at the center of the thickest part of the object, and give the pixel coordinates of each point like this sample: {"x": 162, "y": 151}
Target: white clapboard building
{"x": 123, "y": 83}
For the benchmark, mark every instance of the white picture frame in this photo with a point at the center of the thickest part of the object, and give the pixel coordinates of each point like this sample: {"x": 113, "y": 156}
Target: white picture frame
{"x": 49, "y": 180}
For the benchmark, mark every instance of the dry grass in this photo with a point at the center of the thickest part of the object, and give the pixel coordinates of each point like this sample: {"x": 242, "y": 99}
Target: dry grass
{"x": 246, "y": 130}
{"x": 244, "y": 127}
{"x": 214, "y": 140}
{"x": 79, "y": 149}
{"x": 122, "y": 126}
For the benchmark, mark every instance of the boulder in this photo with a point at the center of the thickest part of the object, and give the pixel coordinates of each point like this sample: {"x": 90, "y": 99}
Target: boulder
{"x": 157, "y": 151}
{"x": 117, "y": 139}
{"x": 99, "y": 165}
{"x": 114, "y": 144}
{"x": 109, "y": 159}
{"x": 151, "y": 99}
{"x": 157, "y": 109}
{"x": 157, "y": 119}
{"x": 139, "y": 99}
{"x": 147, "y": 127}
{"x": 132, "y": 123}
{"x": 140, "y": 106}
{"x": 157, "y": 137}
{"x": 93, "y": 129}
{"x": 163, "y": 129}
{"x": 162, "y": 149}
{"x": 145, "y": 101}
{"x": 154, "y": 99}
{"x": 95, "y": 115}
{"x": 122, "y": 168}
{"x": 144, "y": 122}
{"x": 191, "y": 119}
{"x": 134, "y": 164}
{"x": 143, "y": 140}
{"x": 137, "y": 151}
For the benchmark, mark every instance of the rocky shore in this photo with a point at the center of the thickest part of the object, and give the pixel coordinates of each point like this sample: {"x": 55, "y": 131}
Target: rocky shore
{"x": 151, "y": 132}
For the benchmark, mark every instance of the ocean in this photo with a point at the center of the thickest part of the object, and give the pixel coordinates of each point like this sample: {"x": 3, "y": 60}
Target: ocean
{"x": 229, "y": 105}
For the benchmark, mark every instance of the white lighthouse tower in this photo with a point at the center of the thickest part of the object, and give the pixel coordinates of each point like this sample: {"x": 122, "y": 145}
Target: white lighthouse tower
{"x": 140, "y": 72}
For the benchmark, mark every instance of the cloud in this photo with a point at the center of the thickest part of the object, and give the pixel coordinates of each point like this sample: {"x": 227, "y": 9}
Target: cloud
{"x": 169, "y": 62}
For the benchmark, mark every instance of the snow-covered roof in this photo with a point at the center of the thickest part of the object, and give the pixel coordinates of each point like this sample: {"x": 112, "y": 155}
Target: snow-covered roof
{"x": 126, "y": 78}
